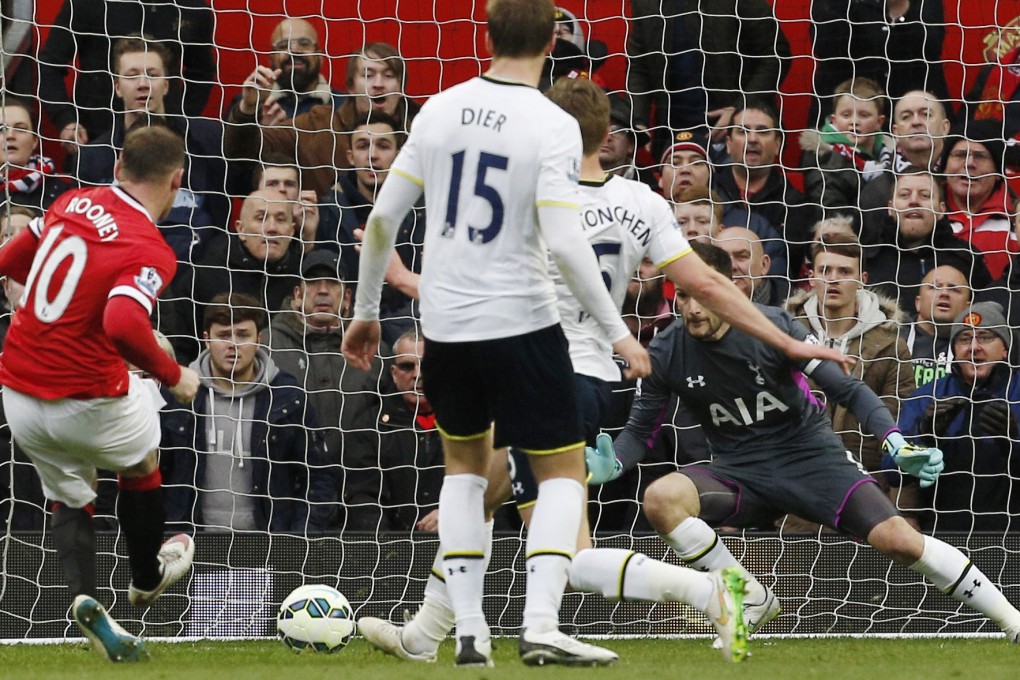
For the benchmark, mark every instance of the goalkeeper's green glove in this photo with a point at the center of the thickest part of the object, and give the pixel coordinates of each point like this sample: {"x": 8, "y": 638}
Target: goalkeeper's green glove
{"x": 603, "y": 465}
{"x": 923, "y": 463}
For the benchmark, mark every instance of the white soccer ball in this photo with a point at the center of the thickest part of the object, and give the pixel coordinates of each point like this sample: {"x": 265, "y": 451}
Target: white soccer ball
{"x": 316, "y": 618}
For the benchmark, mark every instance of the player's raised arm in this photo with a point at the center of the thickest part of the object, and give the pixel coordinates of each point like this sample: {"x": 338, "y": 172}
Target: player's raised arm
{"x": 722, "y": 297}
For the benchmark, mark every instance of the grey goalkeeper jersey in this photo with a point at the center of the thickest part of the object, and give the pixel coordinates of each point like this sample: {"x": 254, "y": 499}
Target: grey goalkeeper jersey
{"x": 752, "y": 400}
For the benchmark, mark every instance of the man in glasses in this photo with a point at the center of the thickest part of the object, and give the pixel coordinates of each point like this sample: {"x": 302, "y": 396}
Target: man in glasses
{"x": 972, "y": 415}
{"x": 292, "y": 83}
{"x": 395, "y": 456}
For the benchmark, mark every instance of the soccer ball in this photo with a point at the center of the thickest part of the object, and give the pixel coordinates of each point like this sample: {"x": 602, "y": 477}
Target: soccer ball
{"x": 315, "y": 618}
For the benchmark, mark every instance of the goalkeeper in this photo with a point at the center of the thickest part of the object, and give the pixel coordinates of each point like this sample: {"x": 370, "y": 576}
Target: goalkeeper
{"x": 774, "y": 452}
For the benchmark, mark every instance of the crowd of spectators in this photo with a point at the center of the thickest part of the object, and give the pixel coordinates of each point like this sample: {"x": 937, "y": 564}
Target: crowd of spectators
{"x": 895, "y": 240}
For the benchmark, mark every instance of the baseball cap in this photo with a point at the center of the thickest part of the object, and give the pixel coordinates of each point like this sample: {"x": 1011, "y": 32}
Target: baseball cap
{"x": 322, "y": 264}
{"x": 687, "y": 140}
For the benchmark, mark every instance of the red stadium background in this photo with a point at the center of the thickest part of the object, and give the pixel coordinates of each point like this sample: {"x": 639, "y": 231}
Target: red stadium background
{"x": 443, "y": 41}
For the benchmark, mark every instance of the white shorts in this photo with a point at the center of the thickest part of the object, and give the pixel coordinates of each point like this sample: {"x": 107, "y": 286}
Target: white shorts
{"x": 67, "y": 439}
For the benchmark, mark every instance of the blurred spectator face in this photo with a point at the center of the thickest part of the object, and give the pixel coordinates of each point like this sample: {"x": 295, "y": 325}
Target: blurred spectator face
{"x": 10, "y": 226}
{"x": 283, "y": 179}
{"x": 373, "y": 148}
{"x": 697, "y": 221}
{"x": 750, "y": 263}
{"x": 141, "y": 82}
{"x": 943, "y": 295}
{"x": 617, "y": 151}
{"x": 376, "y": 87}
{"x": 686, "y": 168}
{"x": 754, "y": 139}
{"x": 914, "y": 206}
{"x": 647, "y": 281}
{"x": 836, "y": 280}
{"x": 977, "y": 351}
{"x": 17, "y": 136}
{"x": 858, "y": 119}
{"x": 266, "y": 226}
{"x": 320, "y": 301}
{"x": 970, "y": 174}
{"x": 918, "y": 120}
{"x": 232, "y": 349}
{"x": 295, "y": 52}
{"x": 406, "y": 373}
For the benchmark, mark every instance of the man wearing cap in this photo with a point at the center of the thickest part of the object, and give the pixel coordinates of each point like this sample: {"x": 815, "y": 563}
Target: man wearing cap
{"x": 979, "y": 202}
{"x": 617, "y": 154}
{"x": 972, "y": 414}
{"x": 303, "y": 340}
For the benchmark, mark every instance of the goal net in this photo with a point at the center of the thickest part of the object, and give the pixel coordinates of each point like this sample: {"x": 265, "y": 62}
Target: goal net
{"x": 343, "y": 498}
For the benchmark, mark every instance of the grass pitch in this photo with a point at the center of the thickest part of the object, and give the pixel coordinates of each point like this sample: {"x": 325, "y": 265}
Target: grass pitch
{"x": 773, "y": 659}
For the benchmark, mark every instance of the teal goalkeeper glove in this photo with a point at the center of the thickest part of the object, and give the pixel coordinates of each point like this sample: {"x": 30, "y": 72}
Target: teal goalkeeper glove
{"x": 925, "y": 464}
{"x": 603, "y": 465}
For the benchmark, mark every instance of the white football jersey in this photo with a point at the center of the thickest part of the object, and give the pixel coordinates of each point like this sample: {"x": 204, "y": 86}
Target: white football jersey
{"x": 489, "y": 153}
{"x": 624, "y": 221}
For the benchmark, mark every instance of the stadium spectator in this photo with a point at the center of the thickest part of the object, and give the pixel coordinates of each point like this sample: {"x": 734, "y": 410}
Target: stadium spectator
{"x": 918, "y": 240}
{"x": 751, "y": 267}
{"x": 303, "y": 340}
{"x": 919, "y": 126}
{"x": 619, "y": 149}
{"x": 247, "y": 454}
{"x": 694, "y": 62}
{"x": 755, "y": 182}
{"x": 319, "y": 139}
{"x": 646, "y": 311}
{"x": 979, "y": 201}
{"x": 292, "y": 83}
{"x": 395, "y": 456}
{"x": 849, "y": 151}
{"x": 141, "y": 83}
{"x": 943, "y": 296}
{"x": 972, "y": 415}
{"x": 277, "y": 172}
{"x": 896, "y": 43}
{"x": 84, "y": 31}
{"x": 699, "y": 214}
{"x": 261, "y": 259}
{"x": 26, "y": 177}
{"x": 685, "y": 165}
{"x": 995, "y": 92}
{"x": 842, "y": 313}
{"x": 375, "y": 142}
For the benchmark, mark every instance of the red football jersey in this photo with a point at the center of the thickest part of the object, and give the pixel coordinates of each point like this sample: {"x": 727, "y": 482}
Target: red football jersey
{"x": 93, "y": 244}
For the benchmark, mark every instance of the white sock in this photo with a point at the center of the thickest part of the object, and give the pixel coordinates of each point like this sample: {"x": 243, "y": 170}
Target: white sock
{"x": 952, "y": 573}
{"x": 434, "y": 621}
{"x": 552, "y": 539}
{"x": 626, "y": 575}
{"x": 700, "y": 548}
{"x": 462, "y": 536}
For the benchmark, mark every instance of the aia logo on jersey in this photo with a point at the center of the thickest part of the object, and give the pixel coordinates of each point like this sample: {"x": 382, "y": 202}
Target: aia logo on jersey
{"x": 149, "y": 281}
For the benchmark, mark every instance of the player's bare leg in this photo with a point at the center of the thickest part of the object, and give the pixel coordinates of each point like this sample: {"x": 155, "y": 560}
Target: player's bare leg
{"x": 672, "y": 505}
{"x": 155, "y": 565}
{"x": 949, "y": 569}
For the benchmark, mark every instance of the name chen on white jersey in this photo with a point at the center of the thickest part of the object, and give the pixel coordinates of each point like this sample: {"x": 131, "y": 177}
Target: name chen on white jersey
{"x": 624, "y": 221}
{"x": 489, "y": 153}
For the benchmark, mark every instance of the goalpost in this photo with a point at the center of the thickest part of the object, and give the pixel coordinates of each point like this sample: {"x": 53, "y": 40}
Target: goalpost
{"x": 828, "y": 585}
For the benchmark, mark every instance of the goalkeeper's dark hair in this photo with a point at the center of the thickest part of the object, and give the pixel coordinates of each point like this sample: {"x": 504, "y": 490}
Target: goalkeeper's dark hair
{"x": 226, "y": 309}
{"x": 151, "y": 152}
{"x": 839, "y": 243}
{"x": 715, "y": 257}
{"x": 520, "y": 28}
{"x": 588, "y": 103}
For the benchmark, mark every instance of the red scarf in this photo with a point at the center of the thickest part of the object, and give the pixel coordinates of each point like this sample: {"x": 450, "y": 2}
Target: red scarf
{"x": 1002, "y": 84}
{"x": 26, "y": 180}
{"x": 997, "y": 246}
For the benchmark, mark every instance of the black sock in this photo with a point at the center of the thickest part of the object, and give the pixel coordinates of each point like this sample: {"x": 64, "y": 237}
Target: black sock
{"x": 142, "y": 519}
{"x": 75, "y": 540}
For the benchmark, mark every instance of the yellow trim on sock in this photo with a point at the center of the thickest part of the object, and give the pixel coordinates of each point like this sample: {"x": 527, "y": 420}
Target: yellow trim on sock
{"x": 559, "y": 553}
{"x": 465, "y": 554}
{"x": 438, "y": 575}
{"x": 623, "y": 571}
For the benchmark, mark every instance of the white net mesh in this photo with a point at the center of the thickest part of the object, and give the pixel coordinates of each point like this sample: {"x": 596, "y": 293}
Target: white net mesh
{"x": 338, "y": 500}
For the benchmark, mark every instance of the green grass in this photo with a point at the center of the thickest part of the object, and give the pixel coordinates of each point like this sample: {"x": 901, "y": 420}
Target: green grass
{"x": 773, "y": 659}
